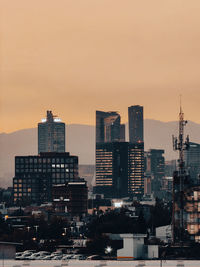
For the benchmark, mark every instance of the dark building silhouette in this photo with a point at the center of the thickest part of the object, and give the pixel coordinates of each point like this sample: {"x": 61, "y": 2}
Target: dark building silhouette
{"x": 71, "y": 197}
{"x": 135, "y": 121}
{"x": 51, "y": 134}
{"x": 155, "y": 166}
{"x": 35, "y": 175}
{"x": 120, "y": 169}
{"x": 122, "y": 133}
{"x": 107, "y": 126}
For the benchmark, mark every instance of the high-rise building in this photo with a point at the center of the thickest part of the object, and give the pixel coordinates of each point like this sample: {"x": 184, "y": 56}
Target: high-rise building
{"x": 120, "y": 169}
{"x": 122, "y": 133}
{"x": 155, "y": 165}
{"x": 192, "y": 161}
{"x": 135, "y": 121}
{"x": 35, "y": 175}
{"x": 51, "y": 134}
{"x": 107, "y": 126}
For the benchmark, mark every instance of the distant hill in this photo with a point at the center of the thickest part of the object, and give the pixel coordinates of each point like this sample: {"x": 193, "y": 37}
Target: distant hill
{"x": 80, "y": 140}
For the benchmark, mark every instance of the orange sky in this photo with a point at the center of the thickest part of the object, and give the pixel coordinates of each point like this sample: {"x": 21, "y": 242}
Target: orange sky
{"x": 76, "y": 56}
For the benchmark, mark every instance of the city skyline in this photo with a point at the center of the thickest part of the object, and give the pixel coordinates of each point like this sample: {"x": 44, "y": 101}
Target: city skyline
{"x": 54, "y": 56}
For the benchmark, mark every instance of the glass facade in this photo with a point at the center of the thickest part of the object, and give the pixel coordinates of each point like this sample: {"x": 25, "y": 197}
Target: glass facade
{"x": 108, "y": 128}
{"x": 35, "y": 175}
{"x": 192, "y": 161}
{"x": 120, "y": 169}
{"x": 51, "y": 135}
{"x": 136, "y": 169}
{"x": 135, "y": 121}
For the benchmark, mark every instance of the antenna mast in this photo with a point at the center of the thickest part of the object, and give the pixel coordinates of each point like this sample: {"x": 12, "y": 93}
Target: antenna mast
{"x": 178, "y": 182}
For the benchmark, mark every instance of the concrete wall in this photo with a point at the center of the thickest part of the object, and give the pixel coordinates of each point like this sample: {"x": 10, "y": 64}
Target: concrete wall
{"x": 153, "y": 252}
{"x": 133, "y": 246}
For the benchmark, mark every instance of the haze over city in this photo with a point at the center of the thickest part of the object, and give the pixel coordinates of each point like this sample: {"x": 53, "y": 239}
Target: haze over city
{"x": 76, "y": 57}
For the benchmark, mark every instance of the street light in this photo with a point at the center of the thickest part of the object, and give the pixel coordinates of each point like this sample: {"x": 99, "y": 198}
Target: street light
{"x": 108, "y": 250}
{"x": 36, "y": 227}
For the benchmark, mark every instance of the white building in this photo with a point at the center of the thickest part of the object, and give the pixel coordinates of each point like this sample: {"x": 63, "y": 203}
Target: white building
{"x": 133, "y": 246}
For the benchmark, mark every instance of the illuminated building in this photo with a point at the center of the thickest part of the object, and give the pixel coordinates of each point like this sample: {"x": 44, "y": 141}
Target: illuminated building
{"x": 71, "y": 197}
{"x": 192, "y": 161}
{"x": 108, "y": 127}
{"x": 35, "y": 175}
{"x": 51, "y": 134}
{"x": 147, "y": 185}
{"x": 120, "y": 169}
{"x": 191, "y": 213}
{"x": 135, "y": 121}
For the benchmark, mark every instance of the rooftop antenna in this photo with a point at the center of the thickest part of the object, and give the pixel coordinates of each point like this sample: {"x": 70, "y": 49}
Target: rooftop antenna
{"x": 180, "y": 145}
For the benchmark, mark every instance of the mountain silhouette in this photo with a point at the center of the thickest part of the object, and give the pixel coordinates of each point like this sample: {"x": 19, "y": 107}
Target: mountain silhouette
{"x": 80, "y": 140}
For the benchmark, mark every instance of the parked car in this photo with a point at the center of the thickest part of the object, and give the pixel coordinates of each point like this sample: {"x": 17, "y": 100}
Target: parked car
{"x": 79, "y": 257}
{"x": 58, "y": 257}
{"x": 48, "y": 257}
{"x": 95, "y": 257}
{"x": 67, "y": 257}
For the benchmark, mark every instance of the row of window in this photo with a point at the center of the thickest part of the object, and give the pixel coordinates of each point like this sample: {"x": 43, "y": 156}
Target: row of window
{"x": 44, "y": 166}
{"x": 54, "y": 175}
{"x": 46, "y": 170}
{"x": 45, "y": 160}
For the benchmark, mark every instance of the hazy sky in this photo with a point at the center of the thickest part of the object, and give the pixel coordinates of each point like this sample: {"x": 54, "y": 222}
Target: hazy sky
{"x": 76, "y": 56}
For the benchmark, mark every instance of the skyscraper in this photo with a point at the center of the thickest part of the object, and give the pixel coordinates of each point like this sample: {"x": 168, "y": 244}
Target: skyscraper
{"x": 107, "y": 126}
{"x": 122, "y": 133}
{"x": 135, "y": 120}
{"x": 51, "y": 134}
{"x": 192, "y": 161}
{"x": 120, "y": 169}
{"x": 155, "y": 166}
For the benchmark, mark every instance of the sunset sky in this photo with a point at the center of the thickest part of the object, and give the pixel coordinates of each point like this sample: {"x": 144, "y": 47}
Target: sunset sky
{"x": 76, "y": 56}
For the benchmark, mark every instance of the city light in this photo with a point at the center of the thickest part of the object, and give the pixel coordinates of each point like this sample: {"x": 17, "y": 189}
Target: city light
{"x": 108, "y": 250}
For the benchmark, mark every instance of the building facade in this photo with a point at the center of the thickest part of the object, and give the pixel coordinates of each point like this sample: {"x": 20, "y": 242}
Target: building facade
{"x": 155, "y": 166}
{"x": 71, "y": 197}
{"x": 120, "y": 169}
{"x": 192, "y": 161}
{"x": 35, "y": 175}
{"x": 135, "y": 121}
{"x": 51, "y": 134}
{"x": 108, "y": 127}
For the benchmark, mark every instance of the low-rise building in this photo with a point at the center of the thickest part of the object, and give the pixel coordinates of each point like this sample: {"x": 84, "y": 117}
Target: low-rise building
{"x": 71, "y": 198}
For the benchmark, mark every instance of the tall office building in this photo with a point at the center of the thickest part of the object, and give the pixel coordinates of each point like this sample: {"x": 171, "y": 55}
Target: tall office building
{"x": 155, "y": 166}
{"x": 120, "y": 169}
{"x": 107, "y": 126}
{"x": 35, "y": 175}
{"x": 135, "y": 121}
{"x": 122, "y": 133}
{"x": 192, "y": 161}
{"x": 51, "y": 134}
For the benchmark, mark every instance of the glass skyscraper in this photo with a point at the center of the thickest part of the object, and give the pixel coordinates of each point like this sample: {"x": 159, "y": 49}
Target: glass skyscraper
{"x": 135, "y": 121}
{"x": 51, "y": 134}
{"x": 107, "y": 127}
